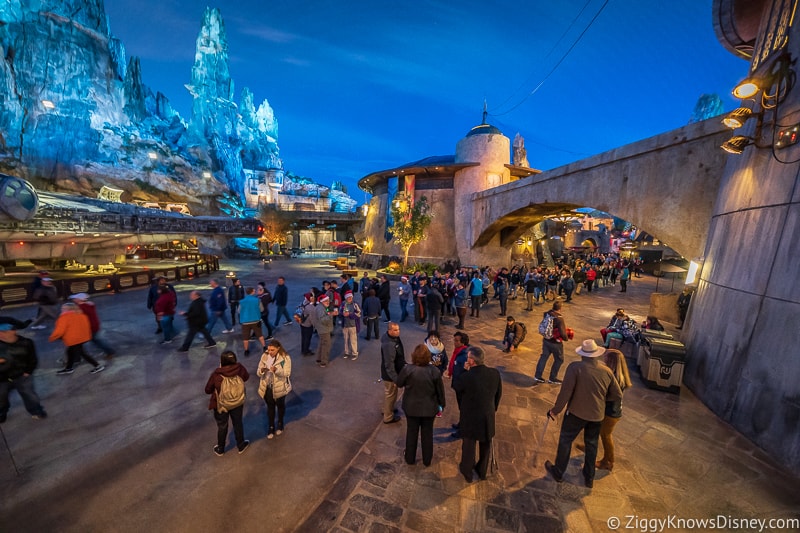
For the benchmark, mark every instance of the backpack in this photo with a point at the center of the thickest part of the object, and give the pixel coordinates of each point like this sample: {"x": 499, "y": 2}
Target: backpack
{"x": 524, "y": 333}
{"x": 546, "y": 326}
{"x": 230, "y": 394}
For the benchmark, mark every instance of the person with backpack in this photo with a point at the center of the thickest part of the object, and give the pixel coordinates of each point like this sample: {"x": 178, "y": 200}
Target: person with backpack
{"x": 514, "y": 334}
{"x": 226, "y": 387}
{"x": 554, "y": 331}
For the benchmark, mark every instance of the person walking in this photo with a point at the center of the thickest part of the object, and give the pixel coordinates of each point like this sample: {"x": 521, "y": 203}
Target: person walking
{"x": 372, "y": 313}
{"x": 325, "y": 317}
{"x": 159, "y": 282}
{"x": 250, "y": 318}
{"x": 274, "y": 369}
{"x": 624, "y": 277}
{"x": 47, "y": 298}
{"x": 229, "y": 367}
{"x": 281, "y": 297}
{"x": 235, "y": 295}
{"x": 196, "y": 319}
{"x": 588, "y": 385}
{"x": 18, "y": 361}
{"x": 393, "y": 359}
{"x": 165, "y": 310}
{"x": 615, "y": 361}
{"x": 481, "y": 389}
{"x": 90, "y": 310}
{"x": 217, "y": 305}
{"x": 552, "y": 344}
{"x": 73, "y": 328}
{"x": 350, "y": 313}
{"x": 423, "y": 398}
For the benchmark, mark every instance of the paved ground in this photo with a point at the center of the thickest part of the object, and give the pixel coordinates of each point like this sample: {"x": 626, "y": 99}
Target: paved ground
{"x": 130, "y": 448}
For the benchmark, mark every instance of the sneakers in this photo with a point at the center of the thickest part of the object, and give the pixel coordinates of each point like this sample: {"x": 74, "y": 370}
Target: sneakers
{"x": 227, "y": 330}
{"x": 538, "y": 380}
{"x": 65, "y": 371}
{"x": 270, "y": 435}
{"x": 555, "y": 381}
{"x": 165, "y": 341}
{"x": 210, "y": 345}
{"x": 247, "y": 353}
{"x": 278, "y": 432}
{"x": 38, "y": 327}
{"x": 346, "y": 356}
{"x": 217, "y": 450}
{"x": 245, "y": 444}
{"x": 287, "y": 323}
{"x": 97, "y": 369}
{"x": 269, "y": 337}
{"x": 323, "y": 365}
{"x": 354, "y": 357}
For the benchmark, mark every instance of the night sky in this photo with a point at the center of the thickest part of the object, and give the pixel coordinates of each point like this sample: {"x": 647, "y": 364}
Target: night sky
{"x": 361, "y": 86}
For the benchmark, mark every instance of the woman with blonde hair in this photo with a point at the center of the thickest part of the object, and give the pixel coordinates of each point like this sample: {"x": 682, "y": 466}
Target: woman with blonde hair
{"x": 616, "y": 362}
{"x": 274, "y": 369}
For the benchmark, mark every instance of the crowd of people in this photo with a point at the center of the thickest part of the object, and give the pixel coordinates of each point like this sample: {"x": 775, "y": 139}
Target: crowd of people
{"x": 591, "y": 390}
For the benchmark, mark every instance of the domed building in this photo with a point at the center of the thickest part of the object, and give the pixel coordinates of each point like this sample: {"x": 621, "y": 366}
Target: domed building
{"x": 482, "y": 161}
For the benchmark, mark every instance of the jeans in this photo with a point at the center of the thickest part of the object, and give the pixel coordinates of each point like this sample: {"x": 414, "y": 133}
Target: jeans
{"x": 24, "y": 386}
{"x": 216, "y": 315}
{"x": 419, "y": 426}
{"x": 557, "y": 350}
{"x": 272, "y": 403}
{"x": 569, "y": 294}
{"x": 234, "y": 308}
{"x": 385, "y": 309}
{"x": 280, "y": 311}
{"x": 191, "y": 334}
{"x": 167, "y": 327}
{"x": 403, "y": 309}
{"x": 305, "y": 339}
{"x": 265, "y": 320}
{"x": 235, "y": 415}
{"x": 372, "y": 326}
{"x": 102, "y": 344}
{"x": 570, "y": 429}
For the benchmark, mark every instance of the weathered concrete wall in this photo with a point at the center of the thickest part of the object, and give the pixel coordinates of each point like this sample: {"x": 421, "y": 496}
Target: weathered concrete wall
{"x": 666, "y": 185}
{"x": 664, "y": 306}
{"x": 742, "y": 328}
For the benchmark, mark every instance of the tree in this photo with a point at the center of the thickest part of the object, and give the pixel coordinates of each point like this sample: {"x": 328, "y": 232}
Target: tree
{"x": 275, "y": 222}
{"x": 410, "y": 222}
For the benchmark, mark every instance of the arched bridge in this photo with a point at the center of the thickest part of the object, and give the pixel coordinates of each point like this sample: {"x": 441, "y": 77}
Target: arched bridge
{"x": 666, "y": 185}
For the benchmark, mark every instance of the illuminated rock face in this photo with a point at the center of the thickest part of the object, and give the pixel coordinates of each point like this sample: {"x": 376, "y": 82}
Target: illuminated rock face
{"x": 74, "y": 116}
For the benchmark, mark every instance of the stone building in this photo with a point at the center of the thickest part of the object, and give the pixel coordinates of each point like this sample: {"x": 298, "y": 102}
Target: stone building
{"x": 482, "y": 161}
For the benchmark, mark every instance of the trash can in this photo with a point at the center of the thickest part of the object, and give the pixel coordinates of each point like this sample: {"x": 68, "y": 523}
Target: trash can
{"x": 649, "y": 334}
{"x": 663, "y": 364}
{"x": 629, "y": 349}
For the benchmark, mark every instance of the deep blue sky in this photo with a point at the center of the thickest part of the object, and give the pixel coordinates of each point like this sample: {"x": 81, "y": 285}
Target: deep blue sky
{"x": 361, "y": 86}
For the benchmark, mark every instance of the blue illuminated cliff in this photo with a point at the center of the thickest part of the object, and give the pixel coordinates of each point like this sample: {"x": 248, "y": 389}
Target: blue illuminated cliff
{"x": 76, "y": 115}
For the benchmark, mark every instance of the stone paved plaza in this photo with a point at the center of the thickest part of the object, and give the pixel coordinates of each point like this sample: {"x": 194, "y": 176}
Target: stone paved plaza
{"x": 130, "y": 449}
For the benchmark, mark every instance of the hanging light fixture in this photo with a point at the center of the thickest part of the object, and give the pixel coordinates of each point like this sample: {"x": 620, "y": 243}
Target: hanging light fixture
{"x": 736, "y": 144}
{"x": 747, "y": 88}
{"x": 737, "y": 117}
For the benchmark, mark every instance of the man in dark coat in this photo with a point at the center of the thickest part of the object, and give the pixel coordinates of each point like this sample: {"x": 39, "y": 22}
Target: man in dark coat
{"x": 152, "y": 296}
{"x": 17, "y": 362}
{"x": 197, "y": 318}
{"x": 384, "y": 294}
{"x": 481, "y": 389}
{"x": 393, "y": 359}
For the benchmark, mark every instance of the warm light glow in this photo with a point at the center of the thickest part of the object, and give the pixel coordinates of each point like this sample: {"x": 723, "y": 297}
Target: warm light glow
{"x": 736, "y": 144}
{"x": 691, "y": 274}
{"x": 365, "y": 209}
{"x": 207, "y": 174}
{"x": 737, "y": 117}
{"x": 746, "y": 89}
{"x": 48, "y": 104}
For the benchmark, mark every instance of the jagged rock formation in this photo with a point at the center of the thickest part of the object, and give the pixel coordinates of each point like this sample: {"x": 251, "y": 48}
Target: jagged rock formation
{"x": 75, "y": 116}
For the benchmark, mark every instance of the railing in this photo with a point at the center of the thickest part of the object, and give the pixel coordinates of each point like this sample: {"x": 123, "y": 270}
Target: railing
{"x": 22, "y": 292}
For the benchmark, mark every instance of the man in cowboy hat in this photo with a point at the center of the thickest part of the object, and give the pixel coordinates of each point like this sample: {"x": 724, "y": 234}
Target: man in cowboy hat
{"x": 588, "y": 385}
